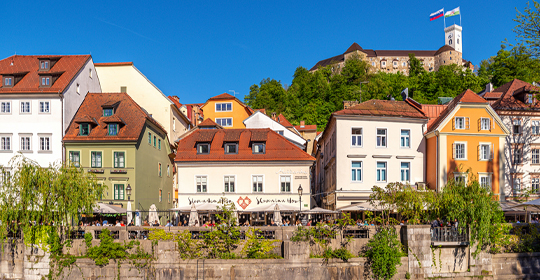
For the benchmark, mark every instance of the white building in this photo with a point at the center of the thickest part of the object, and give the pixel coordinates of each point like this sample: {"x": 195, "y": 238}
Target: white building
{"x": 370, "y": 144}
{"x": 261, "y": 120}
{"x": 125, "y": 77}
{"x": 39, "y": 95}
{"x": 250, "y": 167}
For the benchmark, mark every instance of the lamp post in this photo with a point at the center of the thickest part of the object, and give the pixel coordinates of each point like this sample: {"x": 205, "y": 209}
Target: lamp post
{"x": 128, "y": 191}
{"x": 300, "y": 195}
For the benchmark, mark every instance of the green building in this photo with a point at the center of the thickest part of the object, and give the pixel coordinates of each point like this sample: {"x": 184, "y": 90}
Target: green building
{"x": 128, "y": 151}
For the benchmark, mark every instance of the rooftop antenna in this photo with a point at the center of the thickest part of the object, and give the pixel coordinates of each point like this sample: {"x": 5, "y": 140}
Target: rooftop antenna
{"x": 234, "y": 92}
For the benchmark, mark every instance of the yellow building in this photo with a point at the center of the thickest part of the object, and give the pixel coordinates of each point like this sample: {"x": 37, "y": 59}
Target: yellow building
{"x": 226, "y": 110}
{"x": 467, "y": 136}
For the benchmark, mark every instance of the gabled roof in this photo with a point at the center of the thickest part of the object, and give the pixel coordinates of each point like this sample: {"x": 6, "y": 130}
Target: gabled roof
{"x": 127, "y": 112}
{"x": 226, "y": 96}
{"x": 283, "y": 121}
{"x": 353, "y": 47}
{"x": 128, "y": 63}
{"x": 468, "y": 96}
{"x": 433, "y": 111}
{"x": 175, "y": 100}
{"x": 306, "y": 127}
{"x": 222, "y": 96}
{"x": 508, "y": 96}
{"x": 390, "y": 108}
{"x": 277, "y": 147}
{"x": 209, "y": 123}
{"x": 26, "y": 67}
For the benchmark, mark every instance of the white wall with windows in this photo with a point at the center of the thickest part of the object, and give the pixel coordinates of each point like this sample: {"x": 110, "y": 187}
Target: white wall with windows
{"x": 254, "y": 184}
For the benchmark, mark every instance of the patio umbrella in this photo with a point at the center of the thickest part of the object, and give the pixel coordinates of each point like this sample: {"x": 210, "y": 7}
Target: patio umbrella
{"x": 319, "y": 210}
{"x": 152, "y": 215}
{"x": 103, "y": 208}
{"x": 193, "y": 216}
{"x": 129, "y": 214}
{"x": 534, "y": 204}
{"x": 137, "y": 218}
{"x": 356, "y": 207}
{"x": 269, "y": 207}
{"x": 277, "y": 215}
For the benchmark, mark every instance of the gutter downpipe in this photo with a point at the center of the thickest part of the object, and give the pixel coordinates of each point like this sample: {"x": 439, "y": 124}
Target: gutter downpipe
{"x": 437, "y": 161}
{"x": 62, "y": 134}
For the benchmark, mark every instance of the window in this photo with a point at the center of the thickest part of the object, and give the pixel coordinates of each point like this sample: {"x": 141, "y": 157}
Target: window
{"x": 44, "y": 65}
{"x": 45, "y": 81}
{"x": 231, "y": 148}
{"x": 201, "y": 183}
{"x": 381, "y": 171}
{"x": 229, "y": 183}
{"x": 460, "y": 122}
{"x": 8, "y": 81}
{"x": 280, "y": 132}
{"x": 460, "y": 178}
{"x": 535, "y": 186}
{"x": 405, "y": 138}
{"x": 485, "y": 182}
{"x": 25, "y": 107}
{"x": 460, "y": 151}
{"x": 155, "y": 138}
{"x": 108, "y": 112}
{"x": 536, "y": 156}
{"x": 118, "y": 192}
{"x": 203, "y": 148}
{"x": 84, "y": 129}
{"x": 149, "y": 138}
{"x": 5, "y": 107}
{"x": 113, "y": 129}
{"x": 159, "y": 144}
{"x": 285, "y": 181}
{"x": 516, "y": 127}
{"x": 169, "y": 197}
{"x": 5, "y": 143}
{"x": 173, "y": 124}
{"x": 356, "y": 137}
{"x": 516, "y": 155}
{"x": 356, "y": 171}
{"x": 75, "y": 158}
{"x": 395, "y": 63}
{"x": 535, "y": 127}
{"x": 257, "y": 183}
{"x": 44, "y": 107}
{"x": 25, "y": 143}
{"x": 223, "y": 107}
{"x": 90, "y": 73}
{"x": 485, "y": 124}
{"x": 381, "y": 137}
{"x": 159, "y": 169}
{"x": 529, "y": 99}
{"x": 405, "y": 171}
{"x": 517, "y": 185}
{"x": 383, "y": 63}
{"x": 258, "y": 148}
{"x": 403, "y": 64}
{"x": 119, "y": 160}
{"x": 95, "y": 159}
{"x": 168, "y": 170}
{"x": 484, "y": 152}
{"x": 44, "y": 144}
{"x": 160, "y": 195}
{"x": 225, "y": 122}
{"x": 123, "y": 89}
{"x": 78, "y": 88}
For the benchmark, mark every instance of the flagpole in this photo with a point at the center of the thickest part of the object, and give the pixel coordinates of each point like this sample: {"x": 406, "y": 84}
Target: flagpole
{"x": 444, "y": 18}
{"x": 460, "y": 16}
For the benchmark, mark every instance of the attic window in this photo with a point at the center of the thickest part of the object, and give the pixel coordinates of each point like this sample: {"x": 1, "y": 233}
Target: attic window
{"x": 108, "y": 112}
{"x": 203, "y": 148}
{"x": 8, "y": 81}
{"x": 529, "y": 99}
{"x": 44, "y": 65}
{"x": 258, "y": 148}
{"x": 84, "y": 129}
{"x": 113, "y": 129}
{"x": 45, "y": 81}
{"x": 231, "y": 148}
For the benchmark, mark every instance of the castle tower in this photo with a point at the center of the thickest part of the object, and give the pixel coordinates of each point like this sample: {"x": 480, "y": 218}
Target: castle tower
{"x": 452, "y": 37}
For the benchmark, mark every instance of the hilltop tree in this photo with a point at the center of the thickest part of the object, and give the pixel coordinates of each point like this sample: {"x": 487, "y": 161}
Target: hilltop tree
{"x": 528, "y": 29}
{"x": 507, "y": 65}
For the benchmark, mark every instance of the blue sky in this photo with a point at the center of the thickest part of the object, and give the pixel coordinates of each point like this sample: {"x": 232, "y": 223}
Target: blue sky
{"x": 201, "y": 49}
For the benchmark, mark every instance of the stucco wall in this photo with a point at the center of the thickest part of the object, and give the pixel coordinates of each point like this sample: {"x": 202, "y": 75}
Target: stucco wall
{"x": 260, "y": 120}
{"x": 238, "y": 114}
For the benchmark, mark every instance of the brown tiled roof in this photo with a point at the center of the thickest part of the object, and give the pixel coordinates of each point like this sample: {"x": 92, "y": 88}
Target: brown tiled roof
{"x": 353, "y": 47}
{"x": 509, "y": 92}
{"x": 306, "y": 127}
{"x": 222, "y": 96}
{"x": 113, "y": 119}
{"x": 208, "y": 123}
{"x": 277, "y": 148}
{"x": 492, "y": 95}
{"x": 127, "y": 111}
{"x": 444, "y": 49}
{"x": 432, "y": 111}
{"x": 176, "y": 101}
{"x": 283, "y": 121}
{"x": 66, "y": 68}
{"x": 85, "y": 119}
{"x": 391, "y": 108}
{"x": 467, "y": 96}
{"x": 129, "y": 63}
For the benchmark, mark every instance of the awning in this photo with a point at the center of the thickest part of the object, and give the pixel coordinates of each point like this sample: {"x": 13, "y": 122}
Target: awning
{"x": 319, "y": 210}
{"x": 270, "y": 208}
{"x": 103, "y": 208}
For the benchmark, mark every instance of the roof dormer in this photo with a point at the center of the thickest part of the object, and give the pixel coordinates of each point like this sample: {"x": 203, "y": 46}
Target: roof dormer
{"x": 46, "y": 63}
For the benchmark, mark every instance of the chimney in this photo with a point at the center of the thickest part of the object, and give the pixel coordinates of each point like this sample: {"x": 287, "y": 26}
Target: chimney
{"x": 489, "y": 87}
{"x": 274, "y": 116}
{"x": 302, "y": 123}
{"x": 349, "y": 104}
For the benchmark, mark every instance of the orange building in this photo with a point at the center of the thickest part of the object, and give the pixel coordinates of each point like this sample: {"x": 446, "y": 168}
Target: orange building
{"x": 466, "y": 141}
{"x": 226, "y": 110}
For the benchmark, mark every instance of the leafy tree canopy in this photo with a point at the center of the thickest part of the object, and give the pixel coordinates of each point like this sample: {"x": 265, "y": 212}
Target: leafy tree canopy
{"x": 516, "y": 63}
{"x": 528, "y": 28}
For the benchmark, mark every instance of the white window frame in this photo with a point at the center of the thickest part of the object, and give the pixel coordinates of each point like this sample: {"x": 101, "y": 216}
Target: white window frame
{"x": 196, "y": 183}
{"x": 220, "y": 122}
{"x": 535, "y": 181}
{"x": 356, "y": 169}
{"x": 3, "y": 146}
{"x": 22, "y": 145}
{"x": 488, "y": 176}
{"x": 520, "y": 149}
{"x": 100, "y": 159}
{"x": 481, "y": 153}
{"x": 70, "y": 158}
{"x": 45, "y": 143}
{"x": 463, "y": 175}
{"x": 225, "y": 182}
{"x": 517, "y": 122}
{"x": 251, "y": 183}
{"x": 221, "y": 107}
{"x": 5, "y": 105}
{"x": 44, "y": 102}
{"x": 357, "y": 137}
{"x": 385, "y": 137}
{"x": 535, "y": 155}
{"x": 383, "y": 63}
{"x": 485, "y": 121}
{"x": 516, "y": 190}
{"x": 380, "y": 169}
{"x": 535, "y": 127}
{"x": 290, "y": 183}
{"x": 408, "y": 138}
{"x": 10, "y": 79}
{"x": 114, "y": 159}
{"x": 21, "y": 107}
{"x": 407, "y": 170}
{"x": 456, "y": 122}
{"x": 455, "y": 150}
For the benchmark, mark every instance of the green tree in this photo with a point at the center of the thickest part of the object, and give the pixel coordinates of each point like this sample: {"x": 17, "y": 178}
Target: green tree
{"x": 507, "y": 65}
{"x": 225, "y": 238}
{"x": 383, "y": 253}
{"x": 528, "y": 28}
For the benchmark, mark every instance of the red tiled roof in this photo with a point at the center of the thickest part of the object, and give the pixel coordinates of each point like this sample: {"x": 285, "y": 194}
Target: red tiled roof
{"x": 277, "y": 147}
{"x": 492, "y": 95}
{"x": 509, "y": 92}
{"x": 432, "y": 111}
{"x": 467, "y": 96}
{"x": 175, "y": 100}
{"x": 391, "y": 108}
{"x": 85, "y": 119}
{"x": 306, "y": 127}
{"x": 208, "y": 123}
{"x": 222, "y": 96}
{"x": 127, "y": 111}
{"x": 66, "y": 68}
{"x": 283, "y": 121}
{"x": 354, "y": 47}
{"x": 129, "y": 63}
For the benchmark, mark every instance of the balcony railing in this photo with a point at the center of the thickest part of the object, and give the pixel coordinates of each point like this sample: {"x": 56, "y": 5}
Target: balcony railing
{"x": 449, "y": 235}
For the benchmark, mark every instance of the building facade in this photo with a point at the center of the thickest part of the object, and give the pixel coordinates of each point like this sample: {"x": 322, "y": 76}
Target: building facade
{"x": 370, "y": 144}
{"x": 226, "y": 110}
{"x": 125, "y": 77}
{"x": 114, "y": 138}
{"x": 466, "y": 141}
{"x": 261, "y": 120}
{"x": 39, "y": 95}
{"x": 249, "y": 167}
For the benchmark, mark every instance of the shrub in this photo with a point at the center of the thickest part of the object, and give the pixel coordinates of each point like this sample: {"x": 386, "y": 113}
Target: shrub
{"x": 383, "y": 253}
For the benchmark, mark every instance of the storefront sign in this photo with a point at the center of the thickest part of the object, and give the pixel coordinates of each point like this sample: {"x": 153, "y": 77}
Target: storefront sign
{"x": 289, "y": 171}
{"x": 245, "y": 202}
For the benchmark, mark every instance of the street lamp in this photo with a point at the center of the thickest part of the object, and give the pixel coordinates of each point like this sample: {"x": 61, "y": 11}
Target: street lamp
{"x": 300, "y": 195}
{"x": 128, "y": 191}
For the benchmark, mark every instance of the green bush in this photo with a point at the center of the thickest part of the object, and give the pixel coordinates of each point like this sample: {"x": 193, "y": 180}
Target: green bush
{"x": 107, "y": 249}
{"x": 383, "y": 253}
{"x": 256, "y": 246}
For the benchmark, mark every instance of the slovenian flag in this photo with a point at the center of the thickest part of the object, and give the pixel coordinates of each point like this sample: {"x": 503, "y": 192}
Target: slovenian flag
{"x": 452, "y": 13}
{"x": 436, "y": 15}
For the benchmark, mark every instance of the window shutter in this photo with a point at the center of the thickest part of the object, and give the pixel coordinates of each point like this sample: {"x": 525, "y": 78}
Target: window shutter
{"x": 479, "y": 152}
{"x": 467, "y": 123}
{"x": 491, "y": 124}
{"x": 454, "y": 123}
{"x": 479, "y": 124}
{"x": 453, "y": 150}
